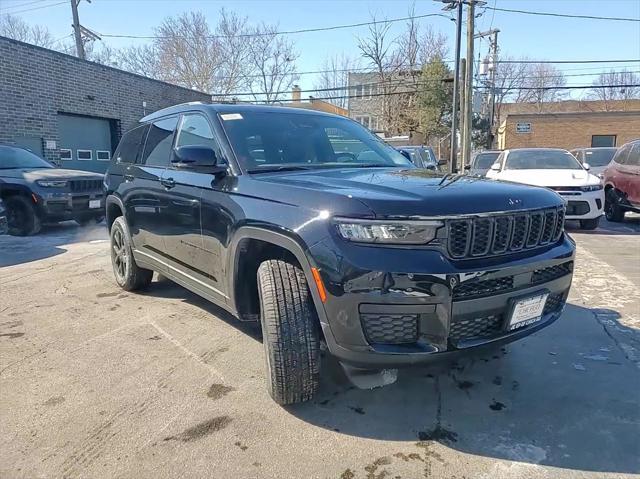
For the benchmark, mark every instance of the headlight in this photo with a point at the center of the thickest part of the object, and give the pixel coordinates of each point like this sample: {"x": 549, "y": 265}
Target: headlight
{"x": 387, "y": 232}
{"x": 52, "y": 183}
{"x": 590, "y": 188}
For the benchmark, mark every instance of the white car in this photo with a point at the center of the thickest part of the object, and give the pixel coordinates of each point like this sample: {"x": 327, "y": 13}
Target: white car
{"x": 560, "y": 171}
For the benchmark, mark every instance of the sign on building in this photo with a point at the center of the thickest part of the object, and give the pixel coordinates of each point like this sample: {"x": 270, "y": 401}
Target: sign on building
{"x": 523, "y": 127}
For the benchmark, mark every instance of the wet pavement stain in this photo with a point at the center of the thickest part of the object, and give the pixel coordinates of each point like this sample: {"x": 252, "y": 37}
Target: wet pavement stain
{"x": 241, "y": 446}
{"x": 414, "y": 456}
{"x": 201, "y": 430}
{"x": 439, "y": 434}
{"x": 372, "y": 468}
{"x": 54, "y": 400}
{"x": 108, "y": 295}
{"x": 465, "y": 385}
{"x": 357, "y": 410}
{"x": 216, "y": 391}
{"x": 497, "y": 381}
{"x": 348, "y": 474}
{"x": 497, "y": 406}
{"x": 155, "y": 338}
{"x": 12, "y": 335}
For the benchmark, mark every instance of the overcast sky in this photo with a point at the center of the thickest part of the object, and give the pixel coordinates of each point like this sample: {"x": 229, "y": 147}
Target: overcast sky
{"x": 538, "y": 37}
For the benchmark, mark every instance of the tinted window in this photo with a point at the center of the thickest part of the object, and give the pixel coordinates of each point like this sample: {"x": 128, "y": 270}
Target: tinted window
{"x": 634, "y": 155}
{"x": 129, "y": 148}
{"x": 622, "y": 154}
{"x": 11, "y": 157}
{"x": 268, "y": 140}
{"x": 599, "y": 157}
{"x": 157, "y": 149}
{"x": 541, "y": 160}
{"x": 485, "y": 160}
{"x": 196, "y": 131}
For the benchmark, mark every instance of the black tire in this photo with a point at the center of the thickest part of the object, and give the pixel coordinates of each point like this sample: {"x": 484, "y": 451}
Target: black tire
{"x": 612, "y": 209}
{"x": 290, "y": 332}
{"x": 590, "y": 224}
{"x": 129, "y": 275}
{"x": 22, "y": 216}
{"x": 89, "y": 220}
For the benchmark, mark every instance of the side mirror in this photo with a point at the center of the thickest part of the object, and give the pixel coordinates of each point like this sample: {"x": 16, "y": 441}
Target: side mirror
{"x": 586, "y": 166}
{"x": 194, "y": 157}
{"x": 495, "y": 167}
{"x": 467, "y": 167}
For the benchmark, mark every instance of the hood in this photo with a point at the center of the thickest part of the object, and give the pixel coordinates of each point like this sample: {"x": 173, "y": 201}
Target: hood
{"x": 550, "y": 177}
{"x": 33, "y": 174}
{"x": 393, "y": 192}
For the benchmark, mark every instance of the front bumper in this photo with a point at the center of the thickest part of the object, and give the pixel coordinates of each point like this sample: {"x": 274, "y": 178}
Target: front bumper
{"x": 583, "y": 206}
{"x": 68, "y": 206}
{"x": 369, "y": 315}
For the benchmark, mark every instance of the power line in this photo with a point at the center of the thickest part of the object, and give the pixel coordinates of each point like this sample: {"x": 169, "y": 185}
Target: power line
{"x": 19, "y": 5}
{"x": 291, "y": 32}
{"x": 563, "y": 15}
{"x": 34, "y": 8}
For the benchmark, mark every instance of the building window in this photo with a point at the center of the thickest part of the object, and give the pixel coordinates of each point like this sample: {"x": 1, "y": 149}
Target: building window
{"x": 363, "y": 120}
{"x": 65, "y": 154}
{"x": 103, "y": 155}
{"x": 358, "y": 90}
{"x": 603, "y": 140}
{"x": 84, "y": 155}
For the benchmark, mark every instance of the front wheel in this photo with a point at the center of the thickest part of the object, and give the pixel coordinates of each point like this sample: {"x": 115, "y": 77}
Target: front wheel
{"x": 290, "y": 332}
{"x": 612, "y": 209}
{"x": 591, "y": 224}
{"x": 129, "y": 275}
{"x": 22, "y": 216}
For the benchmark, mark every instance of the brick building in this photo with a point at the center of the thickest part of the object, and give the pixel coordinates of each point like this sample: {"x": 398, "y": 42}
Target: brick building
{"x": 313, "y": 103}
{"x": 73, "y": 111}
{"x": 568, "y": 124}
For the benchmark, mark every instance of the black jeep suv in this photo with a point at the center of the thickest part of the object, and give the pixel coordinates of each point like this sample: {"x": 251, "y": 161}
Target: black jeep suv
{"x": 36, "y": 192}
{"x": 312, "y": 225}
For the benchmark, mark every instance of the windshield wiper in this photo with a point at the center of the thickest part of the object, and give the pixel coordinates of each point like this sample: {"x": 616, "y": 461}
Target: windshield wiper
{"x": 279, "y": 168}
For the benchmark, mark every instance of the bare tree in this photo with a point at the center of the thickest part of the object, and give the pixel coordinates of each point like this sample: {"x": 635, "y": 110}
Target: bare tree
{"x": 539, "y": 83}
{"x": 614, "y": 85}
{"x": 15, "y": 27}
{"x": 433, "y": 45}
{"x": 234, "y": 49}
{"x": 511, "y": 75}
{"x": 140, "y": 59}
{"x": 335, "y": 75}
{"x": 272, "y": 64}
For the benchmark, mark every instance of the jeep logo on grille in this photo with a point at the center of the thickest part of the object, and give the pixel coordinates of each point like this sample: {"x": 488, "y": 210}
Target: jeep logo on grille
{"x": 515, "y": 202}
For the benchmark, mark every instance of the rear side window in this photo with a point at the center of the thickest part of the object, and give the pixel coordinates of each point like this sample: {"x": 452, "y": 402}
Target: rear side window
{"x": 130, "y": 145}
{"x": 622, "y": 154}
{"x": 157, "y": 149}
{"x": 634, "y": 155}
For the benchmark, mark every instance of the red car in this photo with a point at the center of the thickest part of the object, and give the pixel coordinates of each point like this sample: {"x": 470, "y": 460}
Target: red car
{"x": 622, "y": 182}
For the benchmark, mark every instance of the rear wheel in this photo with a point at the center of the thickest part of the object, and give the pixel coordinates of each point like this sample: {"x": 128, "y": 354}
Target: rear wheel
{"x": 129, "y": 275}
{"x": 21, "y": 216}
{"x": 589, "y": 224}
{"x": 290, "y": 332}
{"x": 612, "y": 209}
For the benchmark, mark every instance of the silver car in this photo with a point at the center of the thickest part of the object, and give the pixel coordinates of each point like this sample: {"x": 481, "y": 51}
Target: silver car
{"x": 481, "y": 162}
{"x": 596, "y": 158}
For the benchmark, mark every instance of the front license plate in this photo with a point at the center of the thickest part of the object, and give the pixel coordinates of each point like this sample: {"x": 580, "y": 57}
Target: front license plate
{"x": 94, "y": 204}
{"x": 527, "y": 311}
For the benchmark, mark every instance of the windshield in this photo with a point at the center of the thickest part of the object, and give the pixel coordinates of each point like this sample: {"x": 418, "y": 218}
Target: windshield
{"x": 600, "y": 156}
{"x": 541, "y": 160}
{"x": 485, "y": 160}
{"x": 267, "y": 141}
{"x": 11, "y": 157}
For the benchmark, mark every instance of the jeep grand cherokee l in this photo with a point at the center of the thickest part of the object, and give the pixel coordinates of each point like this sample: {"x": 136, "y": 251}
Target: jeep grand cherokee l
{"x": 35, "y": 192}
{"x": 312, "y": 225}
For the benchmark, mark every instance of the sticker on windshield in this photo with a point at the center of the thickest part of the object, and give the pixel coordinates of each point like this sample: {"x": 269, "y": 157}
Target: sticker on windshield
{"x": 231, "y": 116}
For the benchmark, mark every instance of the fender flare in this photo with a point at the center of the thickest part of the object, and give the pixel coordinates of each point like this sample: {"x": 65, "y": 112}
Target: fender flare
{"x": 14, "y": 187}
{"x": 284, "y": 241}
{"x": 110, "y": 200}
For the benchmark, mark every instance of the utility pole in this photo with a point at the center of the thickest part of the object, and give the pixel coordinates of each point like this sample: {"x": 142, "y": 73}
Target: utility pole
{"x": 463, "y": 107}
{"x": 492, "y": 101}
{"x": 456, "y": 85}
{"x": 468, "y": 86}
{"x": 76, "y": 29}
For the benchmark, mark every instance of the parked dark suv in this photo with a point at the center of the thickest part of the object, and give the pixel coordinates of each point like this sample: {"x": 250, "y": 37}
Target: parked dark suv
{"x": 311, "y": 224}
{"x": 36, "y": 192}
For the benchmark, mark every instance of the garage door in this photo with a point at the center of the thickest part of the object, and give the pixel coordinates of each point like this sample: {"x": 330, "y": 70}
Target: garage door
{"x": 85, "y": 142}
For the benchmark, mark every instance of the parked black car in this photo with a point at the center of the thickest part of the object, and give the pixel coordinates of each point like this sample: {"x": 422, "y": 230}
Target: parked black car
{"x": 311, "y": 224}
{"x": 4, "y": 225}
{"x": 35, "y": 192}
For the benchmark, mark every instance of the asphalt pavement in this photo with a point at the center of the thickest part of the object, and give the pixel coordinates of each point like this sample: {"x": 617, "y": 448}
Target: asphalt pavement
{"x": 96, "y": 382}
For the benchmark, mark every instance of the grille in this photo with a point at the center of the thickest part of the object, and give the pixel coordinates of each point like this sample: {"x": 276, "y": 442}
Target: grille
{"x": 552, "y": 272}
{"x": 80, "y": 186}
{"x": 390, "y": 328}
{"x": 482, "y": 236}
{"x": 485, "y": 327}
{"x": 482, "y": 288}
{"x": 577, "y": 208}
{"x": 554, "y": 303}
{"x": 565, "y": 188}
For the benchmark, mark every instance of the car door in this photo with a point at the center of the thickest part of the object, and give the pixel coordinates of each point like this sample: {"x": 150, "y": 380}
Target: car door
{"x": 631, "y": 173}
{"x": 182, "y": 190}
{"x": 145, "y": 199}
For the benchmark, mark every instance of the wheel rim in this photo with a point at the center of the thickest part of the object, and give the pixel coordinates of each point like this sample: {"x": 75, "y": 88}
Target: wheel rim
{"x": 119, "y": 254}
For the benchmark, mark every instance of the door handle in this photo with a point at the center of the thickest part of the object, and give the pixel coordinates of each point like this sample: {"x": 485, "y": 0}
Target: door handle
{"x": 128, "y": 178}
{"x": 168, "y": 182}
